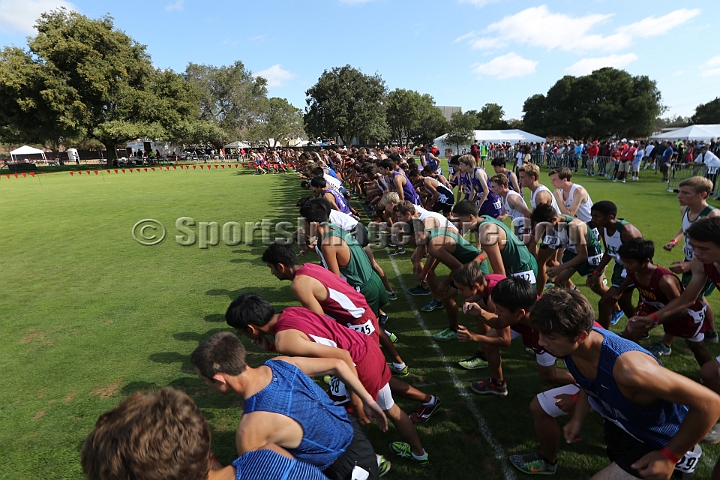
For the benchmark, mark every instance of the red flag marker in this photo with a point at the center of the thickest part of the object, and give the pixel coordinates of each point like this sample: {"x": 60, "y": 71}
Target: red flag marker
{"x": 174, "y": 167}
{"x": 201, "y": 167}
{"x": 144, "y": 169}
{"x": 117, "y": 171}
{"x": 24, "y": 175}
{"x": 96, "y": 172}
{"x": 15, "y": 175}
{"x": 152, "y": 168}
{"x": 32, "y": 174}
{"x": 71, "y": 174}
{"x": 194, "y": 167}
{"x": 137, "y": 169}
{"x": 8, "y": 175}
{"x": 216, "y": 165}
{"x": 223, "y": 165}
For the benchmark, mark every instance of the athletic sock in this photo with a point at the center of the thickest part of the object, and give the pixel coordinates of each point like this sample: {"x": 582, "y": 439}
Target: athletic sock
{"x": 419, "y": 457}
{"x": 433, "y": 401}
{"x": 399, "y": 366}
{"x": 499, "y": 383}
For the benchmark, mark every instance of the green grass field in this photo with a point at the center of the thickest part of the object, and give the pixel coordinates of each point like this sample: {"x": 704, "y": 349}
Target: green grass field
{"x": 89, "y": 316}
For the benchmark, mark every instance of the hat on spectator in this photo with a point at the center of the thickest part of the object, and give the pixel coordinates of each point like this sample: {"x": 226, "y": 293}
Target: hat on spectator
{"x": 624, "y": 140}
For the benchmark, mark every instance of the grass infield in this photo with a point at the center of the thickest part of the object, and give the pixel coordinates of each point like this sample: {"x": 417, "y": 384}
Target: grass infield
{"x": 90, "y": 316}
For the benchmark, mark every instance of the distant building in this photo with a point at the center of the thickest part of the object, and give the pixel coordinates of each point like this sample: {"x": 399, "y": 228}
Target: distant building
{"x": 448, "y": 111}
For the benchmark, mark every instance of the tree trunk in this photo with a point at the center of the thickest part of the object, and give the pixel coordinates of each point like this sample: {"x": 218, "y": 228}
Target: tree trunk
{"x": 111, "y": 146}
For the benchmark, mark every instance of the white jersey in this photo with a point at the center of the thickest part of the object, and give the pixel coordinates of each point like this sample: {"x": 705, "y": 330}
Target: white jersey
{"x": 512, "y": 213}
{"x": 583, "y": 211}
{"x": 343, "y": 220}
{"x": 332, "y": 181}
{"x": 686, "y": 223}
{"x": 543, "y": 188}
{"x": 443, "y": 222}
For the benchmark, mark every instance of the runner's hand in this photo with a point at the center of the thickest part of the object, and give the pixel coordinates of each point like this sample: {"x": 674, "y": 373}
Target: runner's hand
{"x": 669, "y": 246}
{"x": 572, "y": 432}
{"x": 639, "y": 324}
{"x": 463, "y": 335}
{"x": 373, "y": 410}
{"x": 679, "y": 267}
{"x": 654, "y": 466}
{"x": 472, "y": 308}
{"x": 565, "y": 403}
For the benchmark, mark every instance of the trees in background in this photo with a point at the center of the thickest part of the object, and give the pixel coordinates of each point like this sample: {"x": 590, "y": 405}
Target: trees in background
{"x": 278, "y": 123}
{"x": 348, "y": 104}
{"x": 461, "y": 129}
{"x": 490, "y": 117}
{"x": 608, "y": 102}
{"x": 707, "y": 113}
{"x": 413, "y": 117}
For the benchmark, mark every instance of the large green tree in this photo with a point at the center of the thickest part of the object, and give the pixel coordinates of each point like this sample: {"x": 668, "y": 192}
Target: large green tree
{"x": 346, "y": 103}
{"x": 413, "y": 117}
{"x": 231, "y": 100}
{"x": 279, "y": 122}
{"x": 461, "y": 129}
{"x": 490, "y": 117}
{"x": 707, "y": 113}
{"x": 608, "y": 102}
{"x": 84, "y": 79}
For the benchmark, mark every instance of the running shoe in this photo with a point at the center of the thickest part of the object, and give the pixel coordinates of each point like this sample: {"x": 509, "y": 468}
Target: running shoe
{"x": 424, "y": 412}
{"x": 488, "y": 387}
{"x": 713, "y": 435}
{"x": 446, "y": 335}
{"x": 533, "y": 463}
{"x": 433, "y": 305}
{"x": 383, "y": 466}
{"x": 403, "y": 450}
{"x": 404, "y": 372}
{"x": 616, "y": 316}
{"x": 383, "y": 319}
{"x": 711, "y": 337}
{"x": 418, "y": 291}
{"x": 392, "y": 336}
{"x": 398, "y": 251}
{"x": 391, "y": 295}
{"x": 473, "y": 363}
{"x": 659, "y": 349}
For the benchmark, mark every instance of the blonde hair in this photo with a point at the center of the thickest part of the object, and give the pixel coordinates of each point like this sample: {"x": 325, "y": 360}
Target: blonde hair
{"x": 389, "y": 197}
{"x": 530, "y": 169}
{"x": 467, "y": 160}
{"x": 699, "y": 184}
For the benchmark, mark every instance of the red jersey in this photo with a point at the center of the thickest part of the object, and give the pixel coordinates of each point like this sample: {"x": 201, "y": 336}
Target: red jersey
{"x": 492, "y": 280}
{"x": 344, "y": 304}
{"x": 365, "y": 351}
{"x": 653, "y": 299}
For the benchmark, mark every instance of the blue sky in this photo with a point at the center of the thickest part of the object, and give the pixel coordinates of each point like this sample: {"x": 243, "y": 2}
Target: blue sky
{"x": 462, "y": 52}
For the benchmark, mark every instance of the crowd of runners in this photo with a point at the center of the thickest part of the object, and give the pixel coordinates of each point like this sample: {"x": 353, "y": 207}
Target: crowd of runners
{"x": 511, "y": 268}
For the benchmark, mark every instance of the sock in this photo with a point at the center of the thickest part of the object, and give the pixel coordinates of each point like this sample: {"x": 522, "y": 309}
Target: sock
{"x": 432, "y": 401}
{"x": 419, "y": 457}
{"x": 499, "y": 383}
{"x": 399, "y": 366}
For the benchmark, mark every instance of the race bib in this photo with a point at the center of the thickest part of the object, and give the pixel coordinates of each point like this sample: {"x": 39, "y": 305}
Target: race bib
{"x": 551, "y": 241}
{"x": 689, "y": 253}
{"x": 497, "y": 205}
{"x": 528, "y": 275}
{"x": 698, "y": 316}
{"x": 337, "y": 388}
{"x": 595, "y": 260}
{"x": 367, "y": 328}
{"x": 689, "y": 461}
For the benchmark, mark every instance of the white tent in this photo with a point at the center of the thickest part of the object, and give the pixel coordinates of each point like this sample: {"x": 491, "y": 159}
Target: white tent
{"x": 237, "y": 145}
{"x": 692, "y": 132}
{"x": 492, "y": 136}
{"x": 24, "y": 151}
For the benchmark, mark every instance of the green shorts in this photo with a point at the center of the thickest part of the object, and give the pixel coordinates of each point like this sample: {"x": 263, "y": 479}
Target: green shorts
{"x": 374, "y": 293}
{"x": 618, "y": 275}
{"x": 584, "y": 269}
{"x": 707, "y": 289}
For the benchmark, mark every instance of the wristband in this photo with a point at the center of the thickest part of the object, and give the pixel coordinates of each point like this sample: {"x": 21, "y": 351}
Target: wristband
{"x": 426, "y": 270}
{"x": 272, "y": 347}
{"x": 575, "y": 397}
{"x": 480, "y": 258}
{"x": 674, "y": 241}
{"x": 596, "y": 272}
{"x": 669, "y": 455}
{"x": 655, "y": 318}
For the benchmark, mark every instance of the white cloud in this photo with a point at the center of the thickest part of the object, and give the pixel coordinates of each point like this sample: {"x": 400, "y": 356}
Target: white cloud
{"x": 539, "y": 27}
{"x": 588, "y": 65}
{"x": 276, "y": 76}
{"x": 506, "y": 66}
{"x": 21, "y": 15}
{"x": 178, "y": 5}
{"x": 712, "y": 67}
{"x": 479, "y": 3}
{"x": 258, "y": 38}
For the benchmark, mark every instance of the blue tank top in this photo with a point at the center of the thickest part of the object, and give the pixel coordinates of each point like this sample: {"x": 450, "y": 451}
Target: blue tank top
{"x": 265, "y": 464}
{"x": 327, "y": 430}
{"x": 408, "y": 190}
{"x": 654, "y": 425}
{"x": 340, "y": 201}
{"x": 433, "y": 164}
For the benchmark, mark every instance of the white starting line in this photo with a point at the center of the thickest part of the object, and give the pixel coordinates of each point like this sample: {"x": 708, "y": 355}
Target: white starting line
{"x": 500, "y": 453}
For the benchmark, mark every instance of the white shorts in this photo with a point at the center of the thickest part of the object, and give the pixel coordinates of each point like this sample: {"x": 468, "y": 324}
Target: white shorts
{"x": 543, "y": 359}
{"x": 385, "y": 398}
{"x": 548, "y": 402}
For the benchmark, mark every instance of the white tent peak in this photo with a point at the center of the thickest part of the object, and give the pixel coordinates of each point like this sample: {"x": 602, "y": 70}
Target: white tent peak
{"x": 26, "y": 150}
{"x": 691, "y": 132}
{"x": 493, "y": 136}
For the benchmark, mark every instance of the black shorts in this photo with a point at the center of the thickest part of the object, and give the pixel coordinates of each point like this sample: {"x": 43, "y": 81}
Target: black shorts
{"x": 442, "y": 207}
{"x": 359, "y": 453}
{"x": 623, "y": 449}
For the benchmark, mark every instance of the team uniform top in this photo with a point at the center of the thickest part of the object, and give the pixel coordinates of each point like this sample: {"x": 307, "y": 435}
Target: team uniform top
{"x": 512, "y": 213}
{"x": 543, "y": 188}
{"x": 652, "y": 299}
{"x": 583, "y": 211}
{"x": 614, "y": 241}
{"x": 510, "y": 175}
{"x": 364, "y": 350}
{"x": 442, "y": 220}
{"x": 339, "y": 200}
{"x": 327, "y": 430}
{"x": 493, "y": 204}
{"x": 465, "y": 252}
{"x": 357, "y": 272}
{"x": 264, "y": 464}
{"x": 516, "y": 258}
{"x": 655, "y": 425}
{"x": 562, "y": 239}
{"x": 408, "y": 190}
{"x": 434, "y": 164}
{"x": 686, "y": 223}
{"x": 344, "y": 304}
{"x": 445, "y": 195}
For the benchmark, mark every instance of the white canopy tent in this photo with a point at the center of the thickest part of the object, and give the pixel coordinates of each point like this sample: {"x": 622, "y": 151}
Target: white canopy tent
{"x": 25, "y": 151}
{"x": 691, "y": 132}
{"x": 492, "y": 136}
{"x": 237, "y": 145}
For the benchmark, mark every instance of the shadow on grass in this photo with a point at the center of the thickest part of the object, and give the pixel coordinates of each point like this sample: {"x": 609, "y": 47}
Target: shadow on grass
{"x": 271, "y": 294}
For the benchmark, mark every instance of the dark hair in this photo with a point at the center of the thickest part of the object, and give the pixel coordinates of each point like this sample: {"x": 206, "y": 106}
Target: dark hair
{"x": 605, "y": 207}
{"x": 304, "y": 184}
{"x": 498, "y": 161}
{"x": 468, "y": 274}
{"x": 500, "y": 179}
{"x": 386, "y": 164}
{"x": 280, "y": 254}
{"x": 544, "y": 212}
{"x": 318, "y": 182}
{"x": 705, "y": 230}
{"x": 454, "y": 160}
{"x": 514, "y": 293}
{"x": 315, "y": 211}
{"x": 562, "y": 311}
{"x": 368, "y": 170}
{"x": 413, "y": 172}
{"x": 465, "y": 207}
{"x": 249, "y": 309}
{"x": 151, "y": 436}
{"x": 303, "y": 201}
{"x": 318, "y": 171}
{"x": 637, "y": 249}
{"x": 221, "y": 353}
{"x": 394, "y": 157}
{"x": 562, "y": 173}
